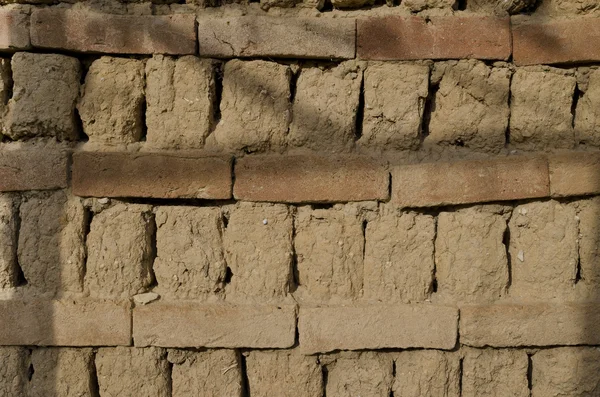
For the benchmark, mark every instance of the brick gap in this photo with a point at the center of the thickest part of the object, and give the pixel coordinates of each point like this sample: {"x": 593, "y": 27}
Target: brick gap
{"x": 325, "y": 377}
{"x": 507, "y": 131}
{"x": 244, "y": 375}
{"x": 94, "y": 385}
{"x": 428, "y": 109}
{"x": 295, "y": 273}
{"x": 577, "y": 95}
{"x": 578, "y": 275}
{"x": 218, "y": 94}
{"x": 364, "y": 237}
{"x": 169, "y": 375}
{"x": 327, "y": 6}
{"x": 360, "y": 112}
{"x": 142, "y": 116}
{"x": 30, "y": 369}
{"x": 506, "y": 242}
{"x": 175, "y": 202}
{"x": 433, "y": 287}
{"x": 11, "y": 83}
{"x": 461, "y": 5}
{"x": 530, "y": 372}
{"x": 81, "y": 135}
{"x": 393, "y": 378}
{"x": 20, "y": 279}
{"x": 294, "y": 83}
{"x": 151, "y": 220}
{"x": 88, "y": 216}
{"x": 460, "y": 376}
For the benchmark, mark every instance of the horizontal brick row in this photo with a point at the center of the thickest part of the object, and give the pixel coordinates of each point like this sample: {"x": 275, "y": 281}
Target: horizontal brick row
{"x": 381, "y": 38}
{"x": 302, "y": 178}
{"x": 321, "y": 329}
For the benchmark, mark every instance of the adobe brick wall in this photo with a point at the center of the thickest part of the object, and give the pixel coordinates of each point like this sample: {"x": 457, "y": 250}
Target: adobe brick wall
{"x": 299, "y": 198}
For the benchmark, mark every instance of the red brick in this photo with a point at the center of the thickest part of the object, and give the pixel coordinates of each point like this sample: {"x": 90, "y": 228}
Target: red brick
{"x": 188, "y": 324}
{"x": 117, "y": 34}
{"x": 476, "y": 181}
{"x": 14, "y": 30}
{"x": 274, "y": 37}
{"x": 33, "y": 170}
{"x": 574, "y": 174}
{"x": 151, "y": 175}
{"x": 512, "y": 325}
{"x": 65, "y": 323}
{"x": 307, "y": 178}
{"x": 559, "y": 41}
{"x": 325, "y": 329}
{"x": 394, "y": 37}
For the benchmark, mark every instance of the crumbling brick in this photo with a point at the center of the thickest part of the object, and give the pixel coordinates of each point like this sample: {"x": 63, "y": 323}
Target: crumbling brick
{"x": 48, "y": 83}
{"x": 112, "y": 103}
{"x": 119, "y": 251}
{"x": 9, "y": 267}
{"x": 427, "y": 373}
{"x": 587, "y": 115}
{"x": 14, "y": 371}
{"x": 254, "y": 106}
{"x": 189, "y": 252}
{"x": 501, "y": 373}
{"x": 179, "y": 94}
{"x": 398, "y": 263}
{"x": 62, "y": 372}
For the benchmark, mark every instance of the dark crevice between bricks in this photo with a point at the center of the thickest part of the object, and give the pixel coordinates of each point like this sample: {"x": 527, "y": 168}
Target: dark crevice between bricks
{"x": 507, "y": 131}
{"x": 577, "y": 94}
{"x": 142, "y": 120}
{"x": 169, "y": 375}
{"x": 20, "y": 279}
{"x": 151, "y": 254}
{"x": 10, "y": 86}
{"x": 294, "y": 83}
{"x": 578, "y": 276}
{"x": 391, "y": 394}
{"x": 433, "y": 287}
{"x": 461, "y": 5}
{"x": 94, "y": 385}
{"x": 364, "y": 237}
{"x": 360, "y": 112}
{"x": 295, "y": 275}
{"x": 218, "y": 71}
{"x": 244, "y": 375}
{"x": 30, "y": 369}
{"x": 460, "y": 376}
{"x": 176, "y": 202}
{"x": 529, "y": 372}
{"x": 81, "y": 135}
{"x": 88, "y": 216}
{"x": 506, "y": 242}
{"x": 233, "y": 164}
{"x": 325, "y": 375}
{"x": 428, "y": 110}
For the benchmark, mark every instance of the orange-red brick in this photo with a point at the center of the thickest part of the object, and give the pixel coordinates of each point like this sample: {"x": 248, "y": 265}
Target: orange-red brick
{"x": 14, "y": 30}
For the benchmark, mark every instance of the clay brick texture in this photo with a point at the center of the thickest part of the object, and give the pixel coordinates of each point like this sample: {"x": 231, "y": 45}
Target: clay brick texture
{"x": 299, "y": 198}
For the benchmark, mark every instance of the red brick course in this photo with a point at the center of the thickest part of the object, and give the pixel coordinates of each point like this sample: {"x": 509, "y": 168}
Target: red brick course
{"x": 14, "y": 30}
{"x": 33, "y": 170}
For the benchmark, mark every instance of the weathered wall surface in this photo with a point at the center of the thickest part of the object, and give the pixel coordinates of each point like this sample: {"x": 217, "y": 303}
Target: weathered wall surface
{"x": 300, "y": 198}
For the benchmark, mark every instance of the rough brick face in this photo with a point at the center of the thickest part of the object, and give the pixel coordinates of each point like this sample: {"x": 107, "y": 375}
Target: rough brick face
{"x": 132, "y": 371}
{"x": 179, "y": 97}
{"x": 14, "y": 371}
{"x": 574, "y": 174}
{"x": 588, "y": 212}
{"x": 543, "y": 249}
{"x": 9, "y": 267}
{"x": 325, "y": 107}
{"x": 258, "y": 251}
{"x": 252, "y": 36}
{"x": 49, "y": 84}
{"x": 471, "y": 106}
{"x": 119, "y": 251}
{"x": 33, "y": 169}
{"x": 61, "y": 372}
{"x": 470, "y": 255}
{"x": 394, "y": 103}
{"x": 5, "y": 89}
{"x": 566, "y": 372}
{"x": 427, "y": 373}
{"x": 329, "y": 245}
{"x": 112, "y": 102}
{"x": 398, "y": 263}
{"x": 587, "y": 115}
{"x": 51, "y": 242}
{"x": 205, "y": 374}
{"x": 366, "y": 374}
{"x": 189, "y": 252}
{"x": 117, "y": 34}
{"x": 255, "y": 107}
{"x": 501, "y": 373}
{"x": 284, "y": 374}
{"x": 452, "y": 37}
{"x": 540, "y": 108}
{"x": 14, "y": 30}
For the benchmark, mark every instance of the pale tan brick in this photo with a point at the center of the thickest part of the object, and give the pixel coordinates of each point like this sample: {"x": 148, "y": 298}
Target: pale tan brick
{"x": 427, "y": 373}
{"x": 112, "y": 101}
{"x": 380, "y": 326}
{"x": 587, "y": 115}
{"x": 501, "y": 373}
{"x": 9, "y": 267}
{"x": 156, "y": 175}
{"x": 566, "y": 371}
{"x": 119, "y": 249}
{"x": 543, "y": 250}
{"x": 394, "y": 103}
{"x": 62, "y": 372}
{"x": 471, "y": 106}
{"x": 329, "y": 245}
{"x": 310, "y": 178}
{"x": 48, "y": 83}
{"x": 366, "y": 374}
{"x": 189, "y": 252}
{"x": 325, "y": 108}
{"x": 540, "y": 108}
{"x": 65, "y": 323}
{"x": 263, "y": 36}
{"x": 574, "y": 174}
{"x": 179, "y": 97}
{"x": 97, "y": 32}
{"x": 185, "y": 324}
{"x": 33, "y": 169}
{"x": 283, "y": 374}
{"x": 51, "y": 248}
{"x": 206, "y": 373}
{"x": 588, "y": 272}
{"x": 470, "y": 255}
{"x": 543, "y": 324}
{"x": 258, "y": 251}
{"x": 14, "y": 371}
{"x": 255, "y": 109}
{"x": 399, "y": 263}
{"x": 14, "y": 29}
{"x": 129, "y": 371}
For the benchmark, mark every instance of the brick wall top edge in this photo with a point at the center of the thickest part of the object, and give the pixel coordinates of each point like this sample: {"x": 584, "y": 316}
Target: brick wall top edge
{"x": 443, "y": 37}
{"x": 151, "y": 175}
{"x": 263, "y": 36}
{"x": 540, "y": 41}
{"x": 115, "y": 34}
